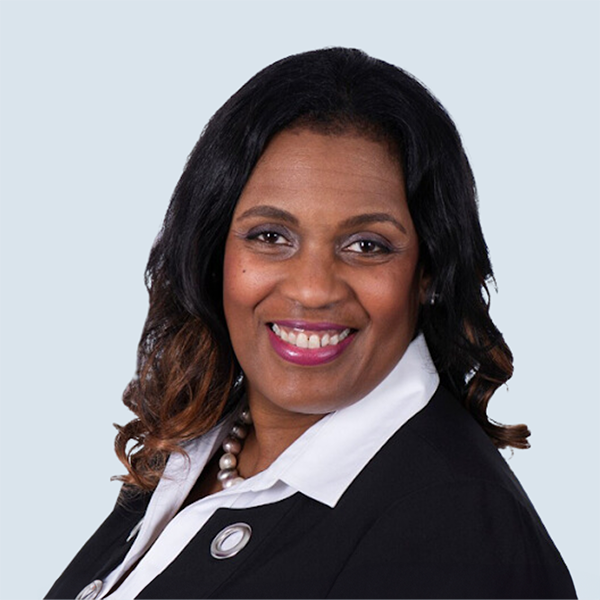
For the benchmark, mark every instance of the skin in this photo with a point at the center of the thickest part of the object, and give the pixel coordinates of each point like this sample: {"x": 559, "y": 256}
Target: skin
{"x": 303, "y": 258}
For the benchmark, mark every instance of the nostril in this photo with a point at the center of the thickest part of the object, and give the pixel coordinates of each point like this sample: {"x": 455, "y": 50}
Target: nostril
{"x": 314, "y": 289}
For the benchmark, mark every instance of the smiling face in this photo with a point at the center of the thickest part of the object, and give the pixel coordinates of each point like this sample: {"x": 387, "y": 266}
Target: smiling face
{"x": 321, "y": 279}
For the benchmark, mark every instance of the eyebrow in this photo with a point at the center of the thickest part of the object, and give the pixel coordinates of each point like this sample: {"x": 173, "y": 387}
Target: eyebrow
{"x": 373, "y": 218}
{"x": 272, "y": 212}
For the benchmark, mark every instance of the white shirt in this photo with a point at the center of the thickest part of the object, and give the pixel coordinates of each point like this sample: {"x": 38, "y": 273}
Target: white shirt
{"x": 321, "y": 464}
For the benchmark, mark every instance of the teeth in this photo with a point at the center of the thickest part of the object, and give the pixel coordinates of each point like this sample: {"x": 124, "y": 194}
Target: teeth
{"x": 302, "y": 340}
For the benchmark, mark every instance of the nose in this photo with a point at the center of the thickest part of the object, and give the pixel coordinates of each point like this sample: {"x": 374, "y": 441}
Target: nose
{"x": 314, "y": 279}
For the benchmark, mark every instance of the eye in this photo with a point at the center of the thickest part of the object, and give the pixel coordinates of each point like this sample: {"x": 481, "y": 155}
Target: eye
{"x": 367, "y": 246}
{"x": 271, "y": 237}
{"x": 268, "y": 236}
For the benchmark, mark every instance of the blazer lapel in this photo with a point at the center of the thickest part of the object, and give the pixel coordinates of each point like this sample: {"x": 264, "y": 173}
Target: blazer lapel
{"x": 195, "y": 573}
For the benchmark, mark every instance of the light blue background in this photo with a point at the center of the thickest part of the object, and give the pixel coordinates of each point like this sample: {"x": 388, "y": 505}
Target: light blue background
{"x": 100, "y": 104}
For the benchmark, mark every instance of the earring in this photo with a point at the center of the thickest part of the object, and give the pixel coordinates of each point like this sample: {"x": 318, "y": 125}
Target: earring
{"x": 435, "y": 297}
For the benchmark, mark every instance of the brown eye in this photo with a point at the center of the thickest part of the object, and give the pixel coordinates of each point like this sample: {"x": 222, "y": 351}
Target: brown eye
{"x": 367, "y": 247}
{"x": 271, "y": 237}
{"x": 268, "y": 236}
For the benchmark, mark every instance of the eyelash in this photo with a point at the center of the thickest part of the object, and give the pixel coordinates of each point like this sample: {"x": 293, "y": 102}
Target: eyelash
{"x": 256, "y": 235}
{"x": 380, "y": 246}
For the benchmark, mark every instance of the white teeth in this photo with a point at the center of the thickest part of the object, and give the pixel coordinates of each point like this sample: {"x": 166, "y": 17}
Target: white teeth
{"x": 303, "y": 340}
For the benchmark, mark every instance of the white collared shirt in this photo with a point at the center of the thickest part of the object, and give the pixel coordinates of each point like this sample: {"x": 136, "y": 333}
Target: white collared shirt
{"x": 164, "y": 532}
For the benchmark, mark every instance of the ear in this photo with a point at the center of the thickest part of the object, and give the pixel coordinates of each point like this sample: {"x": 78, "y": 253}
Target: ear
{"x": 424, "y": 282}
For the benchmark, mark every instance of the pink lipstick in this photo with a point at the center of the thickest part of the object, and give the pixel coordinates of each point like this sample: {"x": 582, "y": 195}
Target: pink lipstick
{"x": 321, "y": 349}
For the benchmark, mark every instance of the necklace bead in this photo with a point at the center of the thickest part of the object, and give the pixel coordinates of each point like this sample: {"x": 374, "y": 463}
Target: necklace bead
{"x": 231, "y": 482}
{"x": 245, "y": 416}
{"x": 228, "y": 461}
{"x": 240, "y": 431}
{"x": 225, "y": 474}
{"x": 232, "y": 445}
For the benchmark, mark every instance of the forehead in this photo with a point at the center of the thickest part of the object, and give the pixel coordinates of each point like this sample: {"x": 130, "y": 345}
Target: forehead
{"x": 341, "y": 170}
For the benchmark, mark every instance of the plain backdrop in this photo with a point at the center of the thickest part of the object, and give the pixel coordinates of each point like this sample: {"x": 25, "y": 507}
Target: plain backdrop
{"x": 101, "y": 102}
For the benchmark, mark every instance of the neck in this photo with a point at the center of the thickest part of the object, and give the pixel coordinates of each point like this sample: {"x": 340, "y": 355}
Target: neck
{"x": 272, "y": 433}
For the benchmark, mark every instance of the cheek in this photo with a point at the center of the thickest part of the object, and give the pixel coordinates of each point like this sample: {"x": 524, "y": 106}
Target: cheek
{"x": 235, "y": 289}
{"x": 244, "y": 284}
{"x": 393, "y": 301}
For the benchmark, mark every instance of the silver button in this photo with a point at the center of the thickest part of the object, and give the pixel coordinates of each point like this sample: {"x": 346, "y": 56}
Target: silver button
{"x": 230, "y": 540}
{"x": 91, "y": 591}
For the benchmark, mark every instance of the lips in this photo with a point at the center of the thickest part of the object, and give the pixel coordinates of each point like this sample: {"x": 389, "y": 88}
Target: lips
{"x": 309, "y": 344}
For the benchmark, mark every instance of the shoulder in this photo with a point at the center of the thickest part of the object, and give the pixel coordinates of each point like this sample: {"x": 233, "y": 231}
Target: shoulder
{"x": 441, "y": 466}
{"x": 448, "y": 513}
{"x": 461, "y": 539}
{"x": 443, "y": 444}
{"x": 442, "y": 461}
{"x": 107, "y": 546}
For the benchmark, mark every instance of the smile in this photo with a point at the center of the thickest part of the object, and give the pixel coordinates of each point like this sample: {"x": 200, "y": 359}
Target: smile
{"x": 309, "y": 344}
{"x": 309, "y": 339}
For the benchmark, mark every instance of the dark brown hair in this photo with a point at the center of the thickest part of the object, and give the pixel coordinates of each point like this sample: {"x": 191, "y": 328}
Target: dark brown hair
{"x": 187, "y": 374}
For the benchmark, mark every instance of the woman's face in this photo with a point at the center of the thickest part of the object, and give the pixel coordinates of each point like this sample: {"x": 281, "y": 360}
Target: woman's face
{"x": 321, "y": 279}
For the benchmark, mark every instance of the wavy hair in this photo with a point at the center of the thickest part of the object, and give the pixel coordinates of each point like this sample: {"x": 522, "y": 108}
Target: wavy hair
{"x": 187, "y": 375}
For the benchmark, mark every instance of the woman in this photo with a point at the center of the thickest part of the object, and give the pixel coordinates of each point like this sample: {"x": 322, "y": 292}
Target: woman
{"x": 316, "y": 365}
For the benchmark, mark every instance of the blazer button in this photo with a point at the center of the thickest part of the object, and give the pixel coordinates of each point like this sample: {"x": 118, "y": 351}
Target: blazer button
{"x": 229, "y": 541}
{"x": 91, "y": 591}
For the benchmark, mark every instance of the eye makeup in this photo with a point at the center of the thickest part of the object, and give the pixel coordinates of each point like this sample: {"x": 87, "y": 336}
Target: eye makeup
{"x": 368, "y": 244}
{"x": 269, "y": 233}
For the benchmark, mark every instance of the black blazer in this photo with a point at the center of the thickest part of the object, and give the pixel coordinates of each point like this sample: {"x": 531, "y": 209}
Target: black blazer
{"x": 437, "y": 513}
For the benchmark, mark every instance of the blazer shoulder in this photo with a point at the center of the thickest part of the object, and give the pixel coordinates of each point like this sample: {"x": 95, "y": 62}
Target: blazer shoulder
{"x": 465, "y": 539}
{"x": 449, "y": 507}
{"x": 441, "y": 447}
{"x": 107, "y": 546}
{"x": 448, "y": 444}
